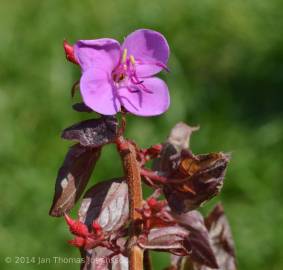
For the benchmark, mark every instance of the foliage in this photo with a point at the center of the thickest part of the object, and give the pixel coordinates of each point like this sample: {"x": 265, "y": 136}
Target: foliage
{"x": 227, "y": 67}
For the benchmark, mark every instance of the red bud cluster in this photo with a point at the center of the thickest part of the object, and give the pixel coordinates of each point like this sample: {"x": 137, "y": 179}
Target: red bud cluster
{"x": 155, "y": 214}
{"x": 144, "y": 155}
{"x": 85, "y": 238}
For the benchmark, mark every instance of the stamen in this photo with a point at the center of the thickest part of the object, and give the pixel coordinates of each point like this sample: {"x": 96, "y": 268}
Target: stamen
{"x": 124, "y": 57}
{"x": 132, "y": 59}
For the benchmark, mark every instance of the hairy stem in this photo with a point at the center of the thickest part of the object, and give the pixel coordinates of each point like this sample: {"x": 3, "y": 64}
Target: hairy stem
{"x": 132, "y": 174}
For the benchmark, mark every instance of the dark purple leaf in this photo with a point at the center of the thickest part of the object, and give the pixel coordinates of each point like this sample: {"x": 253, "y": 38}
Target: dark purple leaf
{"x": 81, "y": 107}
{"x": 108, "y": 203}
{"x": 165, "y": 239}
{"x": 221, "y": 237}
{"x": 93, "y": 132}
{"x": 120, "y": 262}
{"x": 165, "y": 164}
{"x": 205, "y": 176}
{"x": 201, "y": 176}
{"x": 222, "y": 244}
{"x": 198, "y": 241}
{"x": 73, "y": 177}
{"x": 178, "y": 139}
{"x": 101, "y": 258}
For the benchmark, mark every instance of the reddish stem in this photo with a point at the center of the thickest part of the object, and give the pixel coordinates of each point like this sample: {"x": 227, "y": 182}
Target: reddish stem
{"x": 132, "y": 174}
{"x": 153, "y": 176}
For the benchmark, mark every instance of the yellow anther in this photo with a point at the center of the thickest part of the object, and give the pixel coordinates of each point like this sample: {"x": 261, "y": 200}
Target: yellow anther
{"x": 132, "y": 59}
{"x": 124, "y": 58}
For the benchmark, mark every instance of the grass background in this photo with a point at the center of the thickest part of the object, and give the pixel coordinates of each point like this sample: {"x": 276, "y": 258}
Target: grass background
{"x": 226, "y": 75}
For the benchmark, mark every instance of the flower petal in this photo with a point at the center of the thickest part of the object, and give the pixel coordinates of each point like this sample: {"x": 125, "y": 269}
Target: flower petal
{"x": 98, "y": 92}
{"x": 151, "y": 100}
{"x": 103, "y": 53}
{"x": 150, "y": 50}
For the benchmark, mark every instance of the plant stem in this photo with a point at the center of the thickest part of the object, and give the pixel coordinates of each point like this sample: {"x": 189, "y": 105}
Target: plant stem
{"x": 153, "y": 176}
{"x": 147, "y": 260}
{"x": 132, "y": 174}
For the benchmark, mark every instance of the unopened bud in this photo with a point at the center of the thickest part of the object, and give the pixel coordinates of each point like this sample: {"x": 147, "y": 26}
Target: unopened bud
{"x": 76, "y": 227}
{"x": 152, "y": 202}
{"x": 69, "y": 51}
{"x": 96, "y": 227}
{"x": 77, "y": 242}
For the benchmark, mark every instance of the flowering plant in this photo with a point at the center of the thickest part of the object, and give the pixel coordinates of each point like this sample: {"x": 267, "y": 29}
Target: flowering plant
{"x": 115, "y": 221}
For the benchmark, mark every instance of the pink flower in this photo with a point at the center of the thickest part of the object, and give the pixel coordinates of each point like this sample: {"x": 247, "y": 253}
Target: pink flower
{"x": 114, "y": 76}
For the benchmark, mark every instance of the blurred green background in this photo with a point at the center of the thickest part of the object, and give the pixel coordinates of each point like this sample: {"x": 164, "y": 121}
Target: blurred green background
{"x": 226, "y": 75}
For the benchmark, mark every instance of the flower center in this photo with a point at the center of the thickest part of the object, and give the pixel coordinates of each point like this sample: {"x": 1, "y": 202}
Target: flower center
{"x": 126, "y": 69}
